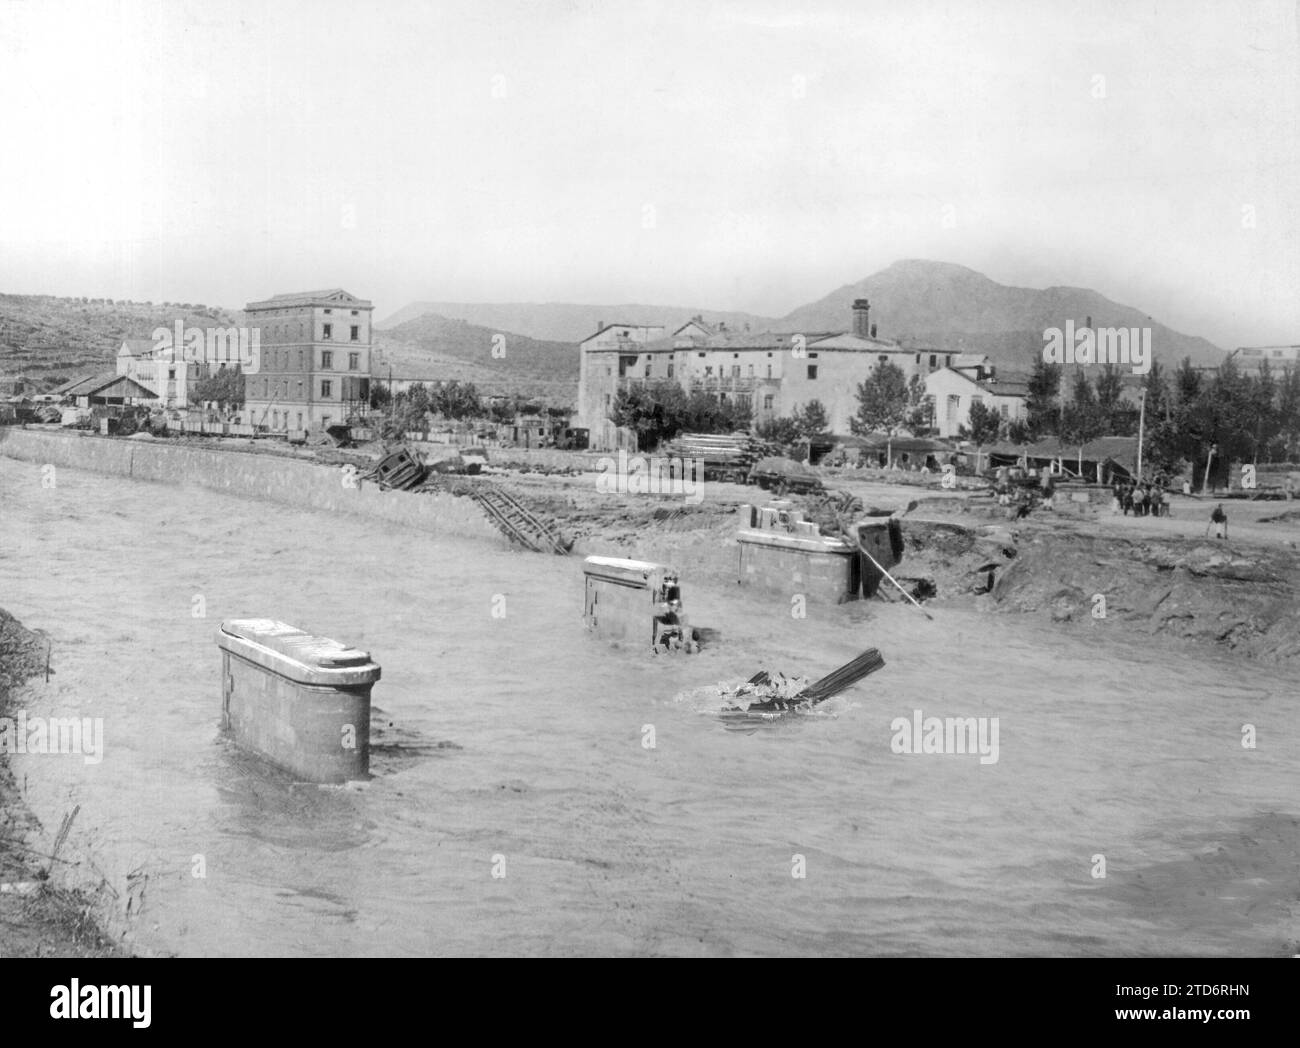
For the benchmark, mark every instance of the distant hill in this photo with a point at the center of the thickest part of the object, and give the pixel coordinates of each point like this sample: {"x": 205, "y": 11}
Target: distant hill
{"x": 46, "y": 338}
{"x": 564, "y": 321}
{"x": 951, "y": 306}
{"x": 434, "y": 347}
{"x": 938, "y": 303}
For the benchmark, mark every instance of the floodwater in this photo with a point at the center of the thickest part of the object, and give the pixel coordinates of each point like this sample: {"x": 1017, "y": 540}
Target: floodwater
{"x": 515, "y": 744}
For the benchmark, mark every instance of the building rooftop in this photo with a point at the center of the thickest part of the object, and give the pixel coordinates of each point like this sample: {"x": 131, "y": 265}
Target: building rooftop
{"x": 138, "y": 347}
{"x": 328, "y": 297}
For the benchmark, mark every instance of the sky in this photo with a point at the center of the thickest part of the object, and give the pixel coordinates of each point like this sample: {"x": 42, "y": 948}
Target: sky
{"x": 727, "y": 155}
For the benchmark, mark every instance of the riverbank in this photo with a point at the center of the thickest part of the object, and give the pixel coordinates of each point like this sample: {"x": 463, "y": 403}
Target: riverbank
{"x": 39, "y": 915}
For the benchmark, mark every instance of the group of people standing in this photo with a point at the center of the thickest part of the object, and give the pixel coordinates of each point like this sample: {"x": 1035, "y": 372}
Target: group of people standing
{"x": 1144, "y": 500}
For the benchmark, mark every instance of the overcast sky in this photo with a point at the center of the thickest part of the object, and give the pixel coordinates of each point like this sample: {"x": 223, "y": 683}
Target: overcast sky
{"x": 748, "y": 156}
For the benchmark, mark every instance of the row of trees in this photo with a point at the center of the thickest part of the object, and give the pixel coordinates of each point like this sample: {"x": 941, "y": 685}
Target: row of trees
{"x": 659, "y": 411}
{"x": 1242, "y": 417}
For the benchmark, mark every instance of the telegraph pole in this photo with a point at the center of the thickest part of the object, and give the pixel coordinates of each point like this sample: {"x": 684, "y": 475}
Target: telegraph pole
{"x": 1142, "y": 418}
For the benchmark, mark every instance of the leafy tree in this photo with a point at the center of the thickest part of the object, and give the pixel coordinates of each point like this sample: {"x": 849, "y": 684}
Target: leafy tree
{"x": 380, "y": 395}
{"x": 882, "y": 401}
{"x": 811, "y": 420}
{"x": 1018, "y": 432}
{"x": 1081, "y": 420}
{"x": 1288, "y": 411}
{"x": 225, "y": 386}
{"x": 981, "y": 429}
{"x": 920, "y": 408}
{"x": 1110, "y": 407}
{"x": 783, "y": 431}
{"x": 1042, "y": 411}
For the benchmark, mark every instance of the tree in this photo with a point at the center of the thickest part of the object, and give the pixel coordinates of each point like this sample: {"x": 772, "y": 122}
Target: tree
{"x": 1018, "y": 432}
{"x": 225, "y": 386}
{"x": 1110, "y": 408}
{"x": 811, "y": 421}
{"x": 380, "y": 395}
{"x": 982, "y": 428}
{"x": 882, "y": 401}
{"x": 920, "y": 408}
{"x": 783, "y": 431}
{"x": 1288, "y": 411}
{"x": 1081, "y": 420}
{"x": 1042, "y": 412}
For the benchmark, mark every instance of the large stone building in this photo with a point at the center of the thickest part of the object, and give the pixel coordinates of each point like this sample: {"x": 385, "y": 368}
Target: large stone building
{"x": 314, "y": 366}
{"x": 775, "y": 373}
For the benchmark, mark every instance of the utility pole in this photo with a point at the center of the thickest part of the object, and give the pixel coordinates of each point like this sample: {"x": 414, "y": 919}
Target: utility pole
{"x": 1142, "y": 418}
{"x": 1205, "y": 481}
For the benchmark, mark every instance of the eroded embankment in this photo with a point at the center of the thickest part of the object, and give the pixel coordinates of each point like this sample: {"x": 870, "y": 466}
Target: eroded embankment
{"x": 1214, "y": 595}
{"x": 38, "y": 916}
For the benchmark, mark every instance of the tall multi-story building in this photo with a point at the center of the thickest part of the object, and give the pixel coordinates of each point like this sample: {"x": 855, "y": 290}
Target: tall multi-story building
{"x": 314, "y": 366}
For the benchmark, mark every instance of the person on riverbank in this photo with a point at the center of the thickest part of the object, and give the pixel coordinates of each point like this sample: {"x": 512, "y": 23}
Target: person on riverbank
{"x": 1139, "y": 502}
{"x": 1219, "y": 522}
{"x": 1157, "y": 502}
{"x": 1126, "y": 499}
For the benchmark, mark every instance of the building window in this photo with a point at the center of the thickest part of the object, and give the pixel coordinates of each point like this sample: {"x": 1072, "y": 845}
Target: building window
{"x": 328, "y": 311}
{"x": 948, "y": 360}
{"x": 769, "y": 368}
{"x": 751, "y": 370}
{"x": 708, "y": 370}
{"x": 300, "y": 420}
{"x": 735, "y": 371}
{"x": 356, "y": 333}
{"x": 647, "y": 369}
{"x": 300, "y": 395}
{"x": 326, "y": 360}
{"x": 356, "y": 312}
{"x": 326, "y": 388}
{"x": 325, "y": 334}
{"x": 171, "y": 373}
{"x": 354, "y": 361}
{"x": 701, "y": 354}
{"x": 300, "y": 360}
{"x": 767, "y": 402}
{"x": 670, "y": 370}
{"x": 934, "y": 360}
{"x": 812, "y": 370}
{"x": 884, "y": 359}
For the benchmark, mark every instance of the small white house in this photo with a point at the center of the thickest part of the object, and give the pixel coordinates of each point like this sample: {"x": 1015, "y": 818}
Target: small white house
{"x": 165, "y": 373}
{"x": 955, "y": 391}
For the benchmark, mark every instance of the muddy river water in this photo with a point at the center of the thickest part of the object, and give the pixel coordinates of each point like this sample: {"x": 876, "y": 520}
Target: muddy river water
{"x": 516, "y": 806}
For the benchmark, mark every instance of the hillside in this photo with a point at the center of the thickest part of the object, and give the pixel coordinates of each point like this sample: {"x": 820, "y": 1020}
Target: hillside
{"x": 952, "y": 306}
{"x": 564, "y": 321}
{"x": 938, "y": 303}
{"x": 49, "y": 339}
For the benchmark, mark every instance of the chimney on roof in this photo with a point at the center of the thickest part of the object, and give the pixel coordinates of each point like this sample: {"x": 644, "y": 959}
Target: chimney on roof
{"x": 600, "y": 325}
{"x": 873, "y": 330}
{"x": 861, "y": 317}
